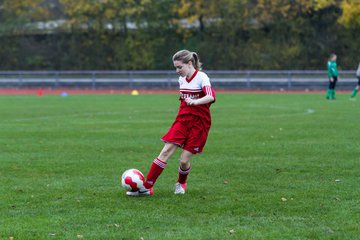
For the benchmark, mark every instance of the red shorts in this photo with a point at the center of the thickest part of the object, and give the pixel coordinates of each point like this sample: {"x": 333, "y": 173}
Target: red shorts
{"x": 189, "y": 132}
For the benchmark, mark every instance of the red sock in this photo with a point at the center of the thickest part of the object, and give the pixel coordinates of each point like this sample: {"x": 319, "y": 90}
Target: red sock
{"x": 183, "y": 174}
{"x": 155, "y": 170}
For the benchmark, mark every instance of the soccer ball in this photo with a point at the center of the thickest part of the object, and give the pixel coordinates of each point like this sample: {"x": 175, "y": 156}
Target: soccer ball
{"x": 132, "y": 180}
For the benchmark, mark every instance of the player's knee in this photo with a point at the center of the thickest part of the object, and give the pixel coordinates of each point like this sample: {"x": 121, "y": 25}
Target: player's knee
{"x": 184, "y": 160}
{"x": 184, "y": 164}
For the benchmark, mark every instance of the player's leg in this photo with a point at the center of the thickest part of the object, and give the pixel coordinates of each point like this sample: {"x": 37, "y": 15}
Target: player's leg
{"x": 329, "y": 90}
{"x": 174, "y": 138}
{"x": 354, "y": 92}
{"x": 194, "y": 144}
{"x": 333, "y": 90}
{"x": 356, "y": 89}
{"x": 156, "y": 168}
{"x": 159, "y": 164}
{"x": 184, "y": 170}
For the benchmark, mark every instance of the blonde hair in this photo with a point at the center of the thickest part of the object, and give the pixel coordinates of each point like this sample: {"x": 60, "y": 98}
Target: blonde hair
{"x": 186, "y": 56}
{"x": 332, "y": 56}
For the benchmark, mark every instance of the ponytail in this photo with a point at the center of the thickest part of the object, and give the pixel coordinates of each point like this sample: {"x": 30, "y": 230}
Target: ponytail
{"x": 197, "y": 64}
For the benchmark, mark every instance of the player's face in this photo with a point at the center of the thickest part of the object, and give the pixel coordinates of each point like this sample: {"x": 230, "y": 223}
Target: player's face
{"x": 183, "y": 69}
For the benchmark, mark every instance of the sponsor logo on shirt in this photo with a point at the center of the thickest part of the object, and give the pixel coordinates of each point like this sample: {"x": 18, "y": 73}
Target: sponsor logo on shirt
{"x": 189, "y": 95}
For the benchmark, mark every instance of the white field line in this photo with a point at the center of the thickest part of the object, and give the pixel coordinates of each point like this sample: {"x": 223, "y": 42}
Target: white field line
{"x": 54, "y": 117}
{"x": 64, "y": 116}
{"x": 307, "y": 111}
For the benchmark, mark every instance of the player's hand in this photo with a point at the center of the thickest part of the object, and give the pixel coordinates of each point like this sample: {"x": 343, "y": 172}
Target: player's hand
{"x": 190, "y": 101}
{"x": 331, "y": 79}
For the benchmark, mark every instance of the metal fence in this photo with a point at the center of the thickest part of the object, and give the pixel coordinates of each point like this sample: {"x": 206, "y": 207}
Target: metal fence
{"x": 251, "y": 80}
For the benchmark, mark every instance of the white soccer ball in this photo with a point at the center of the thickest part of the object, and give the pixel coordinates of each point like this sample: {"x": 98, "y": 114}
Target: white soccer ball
{"x": 132, "y": 180}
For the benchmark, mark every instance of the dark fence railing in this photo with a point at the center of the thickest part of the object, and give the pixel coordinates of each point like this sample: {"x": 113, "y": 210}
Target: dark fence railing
{"x": 242, "y": 79}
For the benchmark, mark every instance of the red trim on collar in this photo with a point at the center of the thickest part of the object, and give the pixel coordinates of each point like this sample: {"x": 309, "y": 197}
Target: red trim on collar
{"x": 192, "y": 77}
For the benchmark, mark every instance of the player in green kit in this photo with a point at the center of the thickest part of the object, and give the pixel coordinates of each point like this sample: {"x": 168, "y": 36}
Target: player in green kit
{"x": 333, "y": 76}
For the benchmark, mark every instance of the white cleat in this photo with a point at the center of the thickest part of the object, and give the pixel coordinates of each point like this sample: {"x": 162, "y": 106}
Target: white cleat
{"x": 141, "y": 193}
{"x": 180, "y": 188}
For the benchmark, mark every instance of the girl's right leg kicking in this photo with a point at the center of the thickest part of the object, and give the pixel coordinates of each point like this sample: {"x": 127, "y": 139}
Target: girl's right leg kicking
{"x": 156, "y": 168}
{"x": 159, "y": 164}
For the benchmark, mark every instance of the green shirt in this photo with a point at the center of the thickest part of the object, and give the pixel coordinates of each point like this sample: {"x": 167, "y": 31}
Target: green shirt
{"x": 332, "y": 69}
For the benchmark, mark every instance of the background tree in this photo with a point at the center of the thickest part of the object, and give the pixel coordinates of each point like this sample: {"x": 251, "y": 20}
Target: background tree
{"x": 143, "y": 34}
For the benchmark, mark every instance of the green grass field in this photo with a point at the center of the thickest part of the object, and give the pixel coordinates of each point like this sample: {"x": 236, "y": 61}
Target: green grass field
{"x": 276, "y": 166}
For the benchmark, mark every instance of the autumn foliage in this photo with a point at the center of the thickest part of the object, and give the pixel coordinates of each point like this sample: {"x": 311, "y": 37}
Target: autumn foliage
{"x": 143, "y": 34}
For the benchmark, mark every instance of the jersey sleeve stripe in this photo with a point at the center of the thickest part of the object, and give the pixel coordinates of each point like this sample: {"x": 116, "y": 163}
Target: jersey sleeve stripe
{"x": 209, "y": 91}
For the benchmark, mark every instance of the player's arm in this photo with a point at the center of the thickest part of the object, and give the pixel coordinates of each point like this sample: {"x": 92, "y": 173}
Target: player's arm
{"x": 204, "y": 100}
{"x": 330, "y": 74}
{"x": 208, "y": 98}
{"x": 336, "y": 72}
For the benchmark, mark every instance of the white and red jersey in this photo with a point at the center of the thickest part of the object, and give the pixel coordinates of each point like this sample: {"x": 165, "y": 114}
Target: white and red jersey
{"x": 196, "y": 87}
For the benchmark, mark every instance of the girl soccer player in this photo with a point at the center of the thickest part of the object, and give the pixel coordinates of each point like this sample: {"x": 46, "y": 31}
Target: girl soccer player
{"x": 191, "y": 126}
{"x": 358, "y": 85}
{"x": 333, "y": 76}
